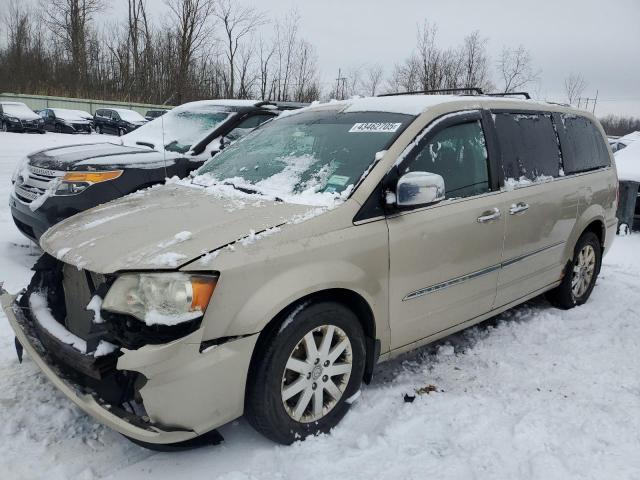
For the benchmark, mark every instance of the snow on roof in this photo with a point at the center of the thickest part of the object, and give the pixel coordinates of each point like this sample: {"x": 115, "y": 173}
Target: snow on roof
{"x": 223, "y": 103}
{"x": 628, "y": 162}
{"x": 408, "y": 104}
{"x": 630, "y": 137}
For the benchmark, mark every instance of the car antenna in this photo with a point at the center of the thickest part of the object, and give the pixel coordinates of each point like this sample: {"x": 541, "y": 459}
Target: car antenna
{"x": 164, "y": 151}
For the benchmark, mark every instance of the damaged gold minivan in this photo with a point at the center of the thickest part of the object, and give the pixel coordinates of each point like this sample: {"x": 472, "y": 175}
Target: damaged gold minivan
{"x": 271, "y": 282}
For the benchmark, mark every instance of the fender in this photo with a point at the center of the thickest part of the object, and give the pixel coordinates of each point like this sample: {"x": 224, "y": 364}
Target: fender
{"x": 262, "y": 306}
{"x": 591, "y": 214}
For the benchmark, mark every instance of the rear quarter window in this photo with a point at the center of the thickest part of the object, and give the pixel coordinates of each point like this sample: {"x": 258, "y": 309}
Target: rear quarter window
{"x": 583, "y": 145}
{"x": 529, "y": 145}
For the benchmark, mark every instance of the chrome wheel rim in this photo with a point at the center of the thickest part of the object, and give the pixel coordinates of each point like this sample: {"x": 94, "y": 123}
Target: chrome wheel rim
{"x": 583, "y": 269}
{"x": 317, "y": 373}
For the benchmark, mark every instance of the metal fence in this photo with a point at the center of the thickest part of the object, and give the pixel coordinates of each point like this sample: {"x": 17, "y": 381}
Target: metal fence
{"x": 37, "y": 102}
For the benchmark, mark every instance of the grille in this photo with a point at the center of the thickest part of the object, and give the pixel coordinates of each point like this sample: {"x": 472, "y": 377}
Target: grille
{"x": 37, "y": 182}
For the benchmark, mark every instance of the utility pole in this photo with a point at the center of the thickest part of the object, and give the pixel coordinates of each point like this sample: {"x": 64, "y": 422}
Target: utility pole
{"x": 340, "y": 81}
{"x": 586, "y": 101}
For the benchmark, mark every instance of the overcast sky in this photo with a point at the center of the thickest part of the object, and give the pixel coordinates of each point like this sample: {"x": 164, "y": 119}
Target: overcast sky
{"x": 599, "y": 39}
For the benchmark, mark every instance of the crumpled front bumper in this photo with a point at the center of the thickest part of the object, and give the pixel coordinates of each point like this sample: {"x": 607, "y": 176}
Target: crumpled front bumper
{"x": 187, "y": 393}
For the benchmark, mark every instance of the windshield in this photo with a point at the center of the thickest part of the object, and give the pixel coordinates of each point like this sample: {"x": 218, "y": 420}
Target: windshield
{"x": 183, "y": 127}
{"x": 130, "y": 116}
{"x": 301, "y": 156}
{"x": 66, "y": 114}
{"x": 17, "y": 109}
{"x": 82, "y": 114}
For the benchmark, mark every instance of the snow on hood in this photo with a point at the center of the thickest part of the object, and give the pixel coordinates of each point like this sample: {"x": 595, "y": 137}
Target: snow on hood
{"x": 628, "y": 162}
{"x": 69, "y": 115}
{"x": 19, "y": 110}
{"x": 162, "y": 228}
{"x": 103, "y": 155}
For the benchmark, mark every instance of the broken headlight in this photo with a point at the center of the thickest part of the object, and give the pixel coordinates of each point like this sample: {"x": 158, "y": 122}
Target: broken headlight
{"x": 161, "y": 298}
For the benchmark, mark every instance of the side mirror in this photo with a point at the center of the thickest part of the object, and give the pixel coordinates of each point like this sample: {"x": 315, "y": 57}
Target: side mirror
{"x": 419, "y": 188}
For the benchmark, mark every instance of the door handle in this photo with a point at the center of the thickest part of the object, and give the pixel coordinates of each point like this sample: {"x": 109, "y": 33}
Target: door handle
{"x": 517, "y": 208}
{"x": 489, "y": 216}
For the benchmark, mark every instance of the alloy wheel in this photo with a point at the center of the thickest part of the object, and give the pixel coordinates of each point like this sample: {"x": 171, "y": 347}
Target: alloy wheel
{"x": 583, "y": 271}
{"x": 317, "y": 373}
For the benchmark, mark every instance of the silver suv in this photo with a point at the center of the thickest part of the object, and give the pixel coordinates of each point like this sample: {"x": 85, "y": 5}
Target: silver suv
{"x": 273, "y": 280}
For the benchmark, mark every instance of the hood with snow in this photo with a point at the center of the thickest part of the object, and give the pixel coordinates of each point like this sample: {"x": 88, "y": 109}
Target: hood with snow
{"x": 164, "y": 227}
{"x": 98, "y": 156}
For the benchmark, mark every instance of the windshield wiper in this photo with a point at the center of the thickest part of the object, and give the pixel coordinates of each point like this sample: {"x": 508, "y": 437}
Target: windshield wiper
{"x": 250, "y": 190}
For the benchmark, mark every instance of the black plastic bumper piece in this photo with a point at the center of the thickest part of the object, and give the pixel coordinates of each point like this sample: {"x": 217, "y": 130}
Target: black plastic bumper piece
{"x": 205, "y": 440}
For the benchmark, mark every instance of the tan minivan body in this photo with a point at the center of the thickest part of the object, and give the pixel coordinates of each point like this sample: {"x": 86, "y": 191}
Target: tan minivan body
{"x": 411, "y": 276}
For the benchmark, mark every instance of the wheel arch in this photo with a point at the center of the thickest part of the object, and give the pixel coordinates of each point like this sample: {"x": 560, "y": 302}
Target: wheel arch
{"x": 344, "y": 296}
{"x": 591, "y": 220}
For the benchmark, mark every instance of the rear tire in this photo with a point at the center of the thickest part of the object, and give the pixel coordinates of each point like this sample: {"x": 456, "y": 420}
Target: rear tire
{"x": 121, "y": 132}
{"x": 303, "y": 373}
{"x": 580, "y": 274}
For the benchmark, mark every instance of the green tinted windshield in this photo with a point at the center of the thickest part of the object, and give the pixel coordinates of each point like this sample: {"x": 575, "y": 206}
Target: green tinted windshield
{"x": 321, "y": 151}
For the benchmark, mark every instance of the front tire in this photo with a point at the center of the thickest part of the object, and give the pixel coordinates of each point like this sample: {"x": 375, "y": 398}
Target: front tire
{"x": 580, "y": 275}
{"x": 304, "y": 373}
{"x": 99, "y": 130}
{"x": 3, "y": 127}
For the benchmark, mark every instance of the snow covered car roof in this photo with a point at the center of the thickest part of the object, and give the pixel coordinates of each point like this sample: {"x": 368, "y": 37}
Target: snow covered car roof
{"x": 628, "y": 162}
{"x": 417, "y": 104}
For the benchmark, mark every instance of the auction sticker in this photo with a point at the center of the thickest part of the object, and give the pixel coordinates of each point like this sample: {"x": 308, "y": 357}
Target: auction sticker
{"x": 375, "y": 127}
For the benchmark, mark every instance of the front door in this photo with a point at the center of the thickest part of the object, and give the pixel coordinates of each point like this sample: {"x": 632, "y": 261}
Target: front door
{"x": 445, "y": 257}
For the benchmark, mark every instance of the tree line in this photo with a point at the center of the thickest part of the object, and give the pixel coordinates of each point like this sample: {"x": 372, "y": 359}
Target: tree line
{"x": 200, "y": 49}
{"x": 203, "y": 49}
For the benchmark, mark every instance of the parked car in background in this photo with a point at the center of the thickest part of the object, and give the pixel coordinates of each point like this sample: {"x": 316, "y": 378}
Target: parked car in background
{"x": 117, "y": 121}
{"x": 85, "y": 115}
{"x": 17, "y": 117}
{"x": 271, "y": 283}
{"x": 628, "y": 165}
{"x": 153, "y": 114}
{"x": 58, "y": 182}
{"x": 621, "y": 143}
{"x": 61, "y": 120}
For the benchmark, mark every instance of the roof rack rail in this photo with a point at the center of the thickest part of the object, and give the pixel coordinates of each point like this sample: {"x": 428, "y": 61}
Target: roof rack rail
{"x": 560, "y": 103}
{"x": 282, "y": 105}
{"x": 522, "y": 94}
{"x": 474, "y": 90}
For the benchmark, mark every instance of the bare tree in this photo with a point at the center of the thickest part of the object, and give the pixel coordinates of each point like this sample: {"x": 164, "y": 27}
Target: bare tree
{"x": 515, "y": 68}
{"x": 239, "y": 22}
{"x": 69, "y": 21}
{"x": 192, "y": 27}
{"x": 286, "y": 40}
{"x": 265, "y": 55}
{"x": 373, "y": 79}
{"x": 475, "y": 62}
{"x": 306, "y": 73}
{"x": 574, "y": 86}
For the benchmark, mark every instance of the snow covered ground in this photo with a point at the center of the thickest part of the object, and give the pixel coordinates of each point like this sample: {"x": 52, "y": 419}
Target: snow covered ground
{"x": 537, "y": 393}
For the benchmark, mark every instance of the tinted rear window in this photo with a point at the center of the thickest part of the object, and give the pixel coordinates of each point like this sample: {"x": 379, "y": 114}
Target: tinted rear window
{"x": 529, "y": 145}
{"x": 584, "y": 145}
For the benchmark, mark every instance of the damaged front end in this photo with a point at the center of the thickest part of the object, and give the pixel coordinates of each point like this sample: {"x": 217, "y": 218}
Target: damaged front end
{"x": 104, "y": 361}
